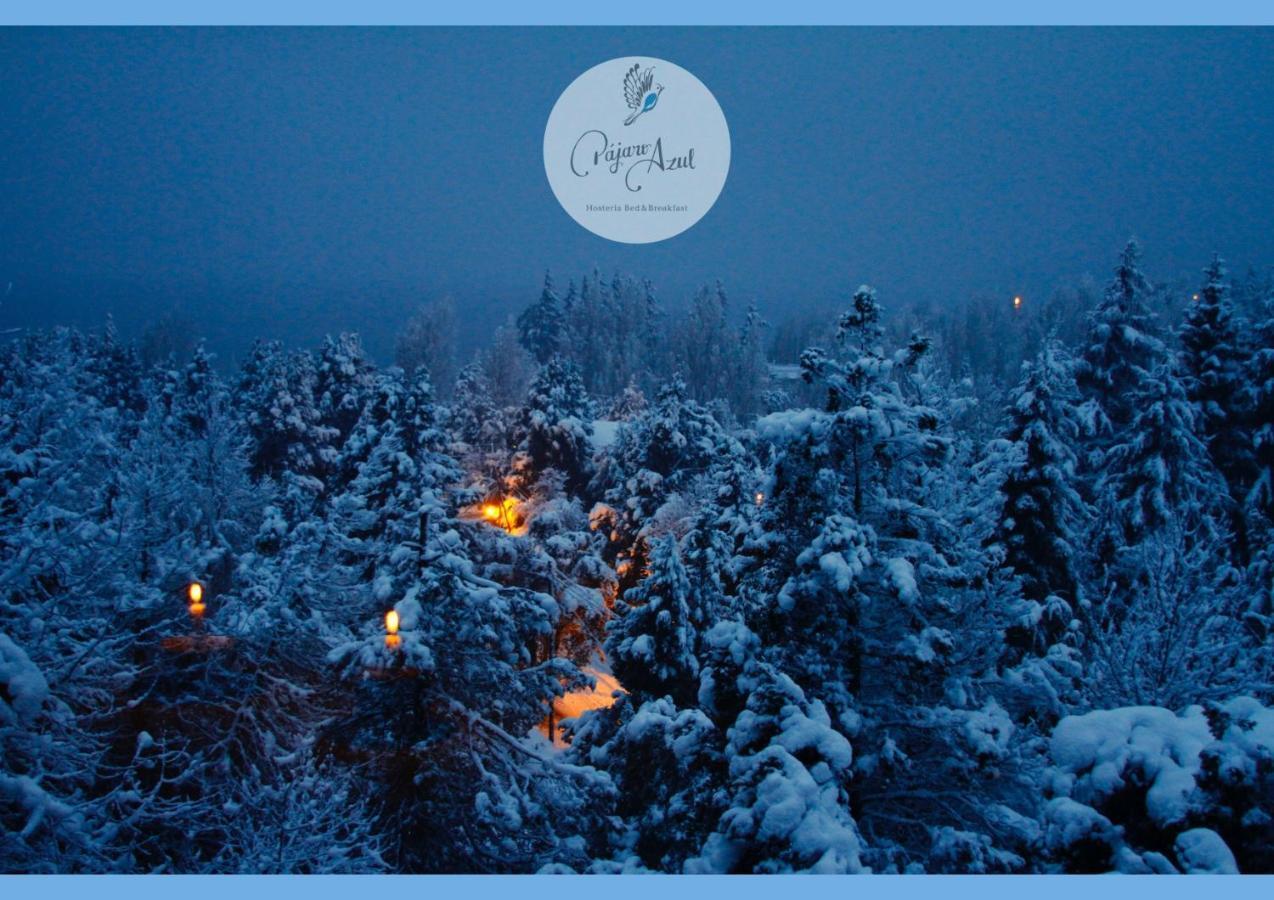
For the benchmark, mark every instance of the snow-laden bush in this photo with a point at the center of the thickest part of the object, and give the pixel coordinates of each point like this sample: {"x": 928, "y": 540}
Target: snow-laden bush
{"x": 1145, "y": 789}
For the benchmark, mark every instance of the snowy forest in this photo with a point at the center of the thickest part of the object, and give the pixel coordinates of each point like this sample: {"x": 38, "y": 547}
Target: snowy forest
{"x": 645, "y": 588}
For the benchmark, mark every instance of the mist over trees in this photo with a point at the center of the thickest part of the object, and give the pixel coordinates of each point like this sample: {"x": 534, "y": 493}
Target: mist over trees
{"x": 633, "y": 589}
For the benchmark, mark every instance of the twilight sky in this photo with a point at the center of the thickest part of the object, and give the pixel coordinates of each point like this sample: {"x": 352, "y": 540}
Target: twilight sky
{"x": 290, "y": 182}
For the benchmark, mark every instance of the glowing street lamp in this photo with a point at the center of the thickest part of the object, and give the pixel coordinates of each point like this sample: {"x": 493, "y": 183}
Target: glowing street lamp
{"x": 392, "y": 638}
{"x": 502, "y": 514}
{"x": 194, "y": 594}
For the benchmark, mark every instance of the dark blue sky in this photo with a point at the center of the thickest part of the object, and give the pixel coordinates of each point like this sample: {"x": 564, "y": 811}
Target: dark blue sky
{"x": 291, "y": 182}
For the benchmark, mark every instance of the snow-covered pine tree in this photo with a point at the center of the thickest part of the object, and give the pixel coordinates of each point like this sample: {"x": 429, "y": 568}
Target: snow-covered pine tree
{"x": 441, "y": 726}
{"x": 429, "y": 339}
{"x": 1211, "y": 363}
{"x": 709, "y": 549}
{"x": 1164, "y": 622}
{"x": 703, "y": 345}
{"x": 628, "y": 405}
{"x": 62, "y": 658}
{"x": 1040, "y": 519}
{"x": 1158, "y": 468}
{"x": 342, "y": 380}
{"x": 540, "y": 325}
{"x": 475, "y": 419}
{"x": 652, "y": 641}
{"x": 749, "y": 371}
{"x": 115, "y": 369}
{"x": 555, "y": 428}
{"x": 1121, "y": 349}
{"x": 784, "y": 805}
{"x": 1260, "y": 378}
{"x": 880, "y": 613}
{"x": 1258, "y": 504}
{"x": 667, "y": 452}
{"x": 382, "y": 520}
{"x": 749, "y": 777}
{"x": 288, "y": 441}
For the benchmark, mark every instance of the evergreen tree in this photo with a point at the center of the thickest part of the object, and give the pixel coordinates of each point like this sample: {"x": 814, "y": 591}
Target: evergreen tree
{"x": 288, "y": 441}
{"x": 651, "y": 646}
{"x": 342, "y": 379}
{"x": 556, "y": 427}
{"x": 458, "y": 788}
{"x": 880, "y": 613}
{"x": 540, "y": 324}
{"x": 1041, "y": 519}
{"x": 1212, "y": 374}
{"x": 473, "y": 411}
{"x": 62, "y": 650}
{"x": 1158, "y": 469}
{"x": 400, "y": 495}
{"x": 669, "y": 452}
{"x": 1121, "y": 349}
{"x": 1260, "y": 378}
{"x": 428, "y": 340}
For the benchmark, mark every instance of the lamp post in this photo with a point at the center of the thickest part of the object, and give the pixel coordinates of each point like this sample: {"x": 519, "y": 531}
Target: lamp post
{"x": 392, "y": 639}
{"x": 502, "y": 514}
{"x": 194, "y": 594}
{"x": 197, "y": 641}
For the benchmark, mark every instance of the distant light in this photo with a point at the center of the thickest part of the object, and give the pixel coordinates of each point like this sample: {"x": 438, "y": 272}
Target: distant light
{"x": 760, "y": 498}
{"x": 1017, "y": 302}
{"x": 1195, "y": 297}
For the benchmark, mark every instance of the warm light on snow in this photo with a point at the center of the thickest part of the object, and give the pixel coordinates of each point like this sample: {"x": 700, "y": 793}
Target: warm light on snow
{"x": 576, "y": 703}
{"x": 503, "y": 514}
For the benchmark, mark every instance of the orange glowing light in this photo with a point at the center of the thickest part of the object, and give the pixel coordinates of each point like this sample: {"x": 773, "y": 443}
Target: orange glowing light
{"x": 1017, "y": 302}
{"x": 195, "y": 594}
{"x": 392, "y": 640}
{"x": 503, "y": 514}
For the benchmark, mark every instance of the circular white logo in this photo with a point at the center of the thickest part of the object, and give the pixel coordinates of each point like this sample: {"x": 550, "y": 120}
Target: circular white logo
{"x": 637, "y": 150}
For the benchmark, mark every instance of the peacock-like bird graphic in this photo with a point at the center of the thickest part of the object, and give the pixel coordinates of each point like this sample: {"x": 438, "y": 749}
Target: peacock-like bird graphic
{"x": 640, "y": 91}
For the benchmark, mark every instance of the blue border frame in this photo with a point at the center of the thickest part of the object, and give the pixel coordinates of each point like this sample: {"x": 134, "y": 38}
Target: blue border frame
{"x": 645, "y": 12}
{"x": 638, "y": 887}
{"x": 641, "y": 12}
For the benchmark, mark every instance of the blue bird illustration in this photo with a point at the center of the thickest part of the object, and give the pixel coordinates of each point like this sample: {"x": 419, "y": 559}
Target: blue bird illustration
{"x": 640, "y": 91}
